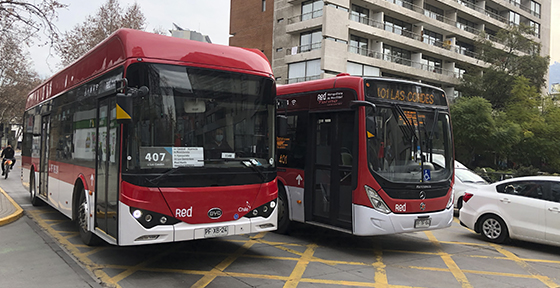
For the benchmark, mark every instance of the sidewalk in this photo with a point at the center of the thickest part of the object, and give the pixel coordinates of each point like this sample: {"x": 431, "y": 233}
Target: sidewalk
{"x": 30, "y": 256}
{"x": 9, "y": 209}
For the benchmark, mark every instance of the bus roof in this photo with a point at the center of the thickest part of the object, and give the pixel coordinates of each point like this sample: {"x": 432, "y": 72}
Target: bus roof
{"x": 342, "y": 80}
{"x": 134, "y": 44}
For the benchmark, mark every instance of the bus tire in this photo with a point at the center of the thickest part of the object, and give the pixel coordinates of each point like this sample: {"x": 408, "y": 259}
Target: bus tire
{"x": 33, "y": 198}
{"x": 88, "y": 237}
{"x": 283, "y": 211}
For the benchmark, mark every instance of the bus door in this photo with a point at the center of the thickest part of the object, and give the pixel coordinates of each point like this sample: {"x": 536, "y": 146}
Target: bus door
{"x": 333, "y": 145}
{"x": 107, "y": 168}
{"x": 44, "y": 156}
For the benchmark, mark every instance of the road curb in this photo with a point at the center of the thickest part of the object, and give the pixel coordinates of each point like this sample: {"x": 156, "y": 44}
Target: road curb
{"x": 15, "y": 215}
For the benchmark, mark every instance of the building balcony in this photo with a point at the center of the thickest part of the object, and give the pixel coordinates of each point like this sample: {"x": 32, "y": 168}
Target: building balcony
{"x": 401, "y": 61}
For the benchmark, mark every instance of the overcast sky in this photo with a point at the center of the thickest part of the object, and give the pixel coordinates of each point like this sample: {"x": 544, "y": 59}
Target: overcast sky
{"x": 210, "y": 17}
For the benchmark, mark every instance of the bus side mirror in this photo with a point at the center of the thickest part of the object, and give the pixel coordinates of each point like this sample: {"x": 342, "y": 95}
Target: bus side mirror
{"x": 282, "y": 125}
{"x": 124, "y": 108}
{"x": 124, "y": 103}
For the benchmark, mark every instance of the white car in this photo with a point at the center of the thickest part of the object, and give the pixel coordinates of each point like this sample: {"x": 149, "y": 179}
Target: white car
{"x": 524, "y": 208}
{"x": 465, "y": 181}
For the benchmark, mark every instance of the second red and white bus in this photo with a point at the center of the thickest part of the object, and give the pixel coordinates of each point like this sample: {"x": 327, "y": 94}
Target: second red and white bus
{"x": 368, "y": 156}
{"x": 193, "y": 158}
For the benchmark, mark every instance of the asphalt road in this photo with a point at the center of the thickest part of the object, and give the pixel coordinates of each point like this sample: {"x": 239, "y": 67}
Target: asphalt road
{"x": 308, "y": 257}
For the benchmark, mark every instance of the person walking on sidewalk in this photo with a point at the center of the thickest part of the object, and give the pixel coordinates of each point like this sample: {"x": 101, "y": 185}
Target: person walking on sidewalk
{"x": 8, "y": 153}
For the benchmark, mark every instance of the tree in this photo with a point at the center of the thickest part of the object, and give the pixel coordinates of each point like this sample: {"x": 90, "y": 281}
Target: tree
{"x": 519, "y": 57}
{"x": 23, "y": 20}
{"x": 473, "y": 128}
{"x": 16, "y": 80}
{"x": 108, "y": 19}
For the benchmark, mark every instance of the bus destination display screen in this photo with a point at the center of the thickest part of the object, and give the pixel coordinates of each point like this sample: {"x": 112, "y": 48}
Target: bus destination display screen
{"x": 404, "y": 92}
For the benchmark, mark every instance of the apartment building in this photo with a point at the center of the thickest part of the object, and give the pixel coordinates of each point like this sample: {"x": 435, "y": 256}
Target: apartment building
{"x": 422, "y": 40}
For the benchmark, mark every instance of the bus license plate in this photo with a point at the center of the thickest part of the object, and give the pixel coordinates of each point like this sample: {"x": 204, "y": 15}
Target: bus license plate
{"x": 422, "y": 223}
{"x": 216, "y": 231}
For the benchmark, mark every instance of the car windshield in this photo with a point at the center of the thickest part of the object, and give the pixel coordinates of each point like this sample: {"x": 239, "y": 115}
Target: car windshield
{"x": 467, "y": 176}
{"x": 406, "y": 144}
{"x": 200, "y": 118}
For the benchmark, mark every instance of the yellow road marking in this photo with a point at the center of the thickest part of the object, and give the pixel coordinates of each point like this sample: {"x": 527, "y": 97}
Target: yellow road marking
{"x": 204, "y": 281}
{"x": 301, "y": 265}
{"x": 305, "y": 258}
{"x": 455, "y": 270}
{"x": 380, "y": 277}
{"x": 525, "y": 266}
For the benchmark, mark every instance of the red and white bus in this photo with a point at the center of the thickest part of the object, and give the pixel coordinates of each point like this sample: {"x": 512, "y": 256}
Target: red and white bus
{"x": 367, "y": 156}
{"x": 189, "y": 154}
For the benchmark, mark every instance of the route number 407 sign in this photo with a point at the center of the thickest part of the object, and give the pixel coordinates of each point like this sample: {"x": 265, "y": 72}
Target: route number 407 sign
{"x": 171, "y": 157}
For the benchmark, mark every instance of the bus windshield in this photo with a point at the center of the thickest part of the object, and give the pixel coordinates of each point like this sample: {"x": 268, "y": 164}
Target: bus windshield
{"x": 200, "y": 118}
{"x": 409, "y": 145}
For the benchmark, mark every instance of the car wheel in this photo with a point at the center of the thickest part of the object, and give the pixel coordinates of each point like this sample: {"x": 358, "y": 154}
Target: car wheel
{"x": 493, "y": 229}
{"x": 460, "y": 203}
{"x": 283, "y": 212}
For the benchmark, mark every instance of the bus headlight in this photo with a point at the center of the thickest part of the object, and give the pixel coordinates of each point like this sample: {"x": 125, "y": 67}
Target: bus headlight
{"x": 450, "y": 202}
{"x": 376, "y": 201}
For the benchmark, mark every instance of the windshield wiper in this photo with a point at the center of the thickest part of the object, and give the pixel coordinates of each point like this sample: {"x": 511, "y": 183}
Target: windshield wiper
{"x": 432, "y": 132}
{"x": 248, "y": 162}
{"x": 406, "y": 121}
{"x": 156, "y": 180}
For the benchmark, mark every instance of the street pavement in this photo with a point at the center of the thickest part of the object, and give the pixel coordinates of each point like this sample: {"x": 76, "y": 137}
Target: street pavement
{"x": 29, "y": 257}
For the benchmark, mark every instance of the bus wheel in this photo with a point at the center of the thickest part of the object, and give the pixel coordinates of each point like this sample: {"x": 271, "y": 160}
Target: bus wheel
{"x": 88, "y": 237}
{"x": 35, "y": 201}
{"x": 283, "y": 211}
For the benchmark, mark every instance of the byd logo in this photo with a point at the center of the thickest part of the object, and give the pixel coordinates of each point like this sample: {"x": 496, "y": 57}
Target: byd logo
{"x": 215, "y": 213}
{"x": 322, "y": 97}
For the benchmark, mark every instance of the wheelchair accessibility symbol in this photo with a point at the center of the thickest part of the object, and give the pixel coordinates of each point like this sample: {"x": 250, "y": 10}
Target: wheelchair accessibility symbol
{"x": 427, "y": 175}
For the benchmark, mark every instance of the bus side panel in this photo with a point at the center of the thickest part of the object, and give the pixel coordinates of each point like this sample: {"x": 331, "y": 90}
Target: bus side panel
{"x": 64, "y": 176}
{"x": 25, "y": 171}
{"x": 294, "y": 183}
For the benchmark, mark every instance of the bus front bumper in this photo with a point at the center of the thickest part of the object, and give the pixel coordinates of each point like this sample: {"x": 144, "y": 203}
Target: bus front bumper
{"x": 132, "y": 233}
{"x": 368, "y": 221}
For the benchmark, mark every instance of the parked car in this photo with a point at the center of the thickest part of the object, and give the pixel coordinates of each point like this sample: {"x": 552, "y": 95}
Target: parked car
{"x": 524, "y": 208}
{"x": 465, "y": 181}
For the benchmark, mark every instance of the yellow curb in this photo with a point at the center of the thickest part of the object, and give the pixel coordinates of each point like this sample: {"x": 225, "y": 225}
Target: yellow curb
{"x": 16, "y": 215}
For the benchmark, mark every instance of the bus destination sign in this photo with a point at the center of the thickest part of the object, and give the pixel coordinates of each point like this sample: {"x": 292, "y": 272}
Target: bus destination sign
{"x": 171, "y": 157}
{"x": 405, "y": 92}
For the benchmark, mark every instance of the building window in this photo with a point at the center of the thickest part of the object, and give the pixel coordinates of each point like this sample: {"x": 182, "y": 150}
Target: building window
{"x": 536, "y": 28}
{"x": 303, "y": 71}
{"x": 433, "y": 12}
{"x": 431, "y": 64}
{"x": 465, "y": 49}
{"x": 432, "y": 38}
{"x": 310, "y": 40}
{"x": 536, "y": 9}
{"x": 359, "y": 14}
{"x": 515, "y": 2}
{"x": 357, "y": 69}
{"x": 514, "y": 18}
{"x": 311, "y": 9}
{"x": 358, "y": 45}
{"x": 397, "y": 55}
{"x": 263, "y": 5}
{"x": 404, "y": 3}
{"x": 397, "y": 26}
{"x": 465, "y": 24}
{"x": 459, "y": 72}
